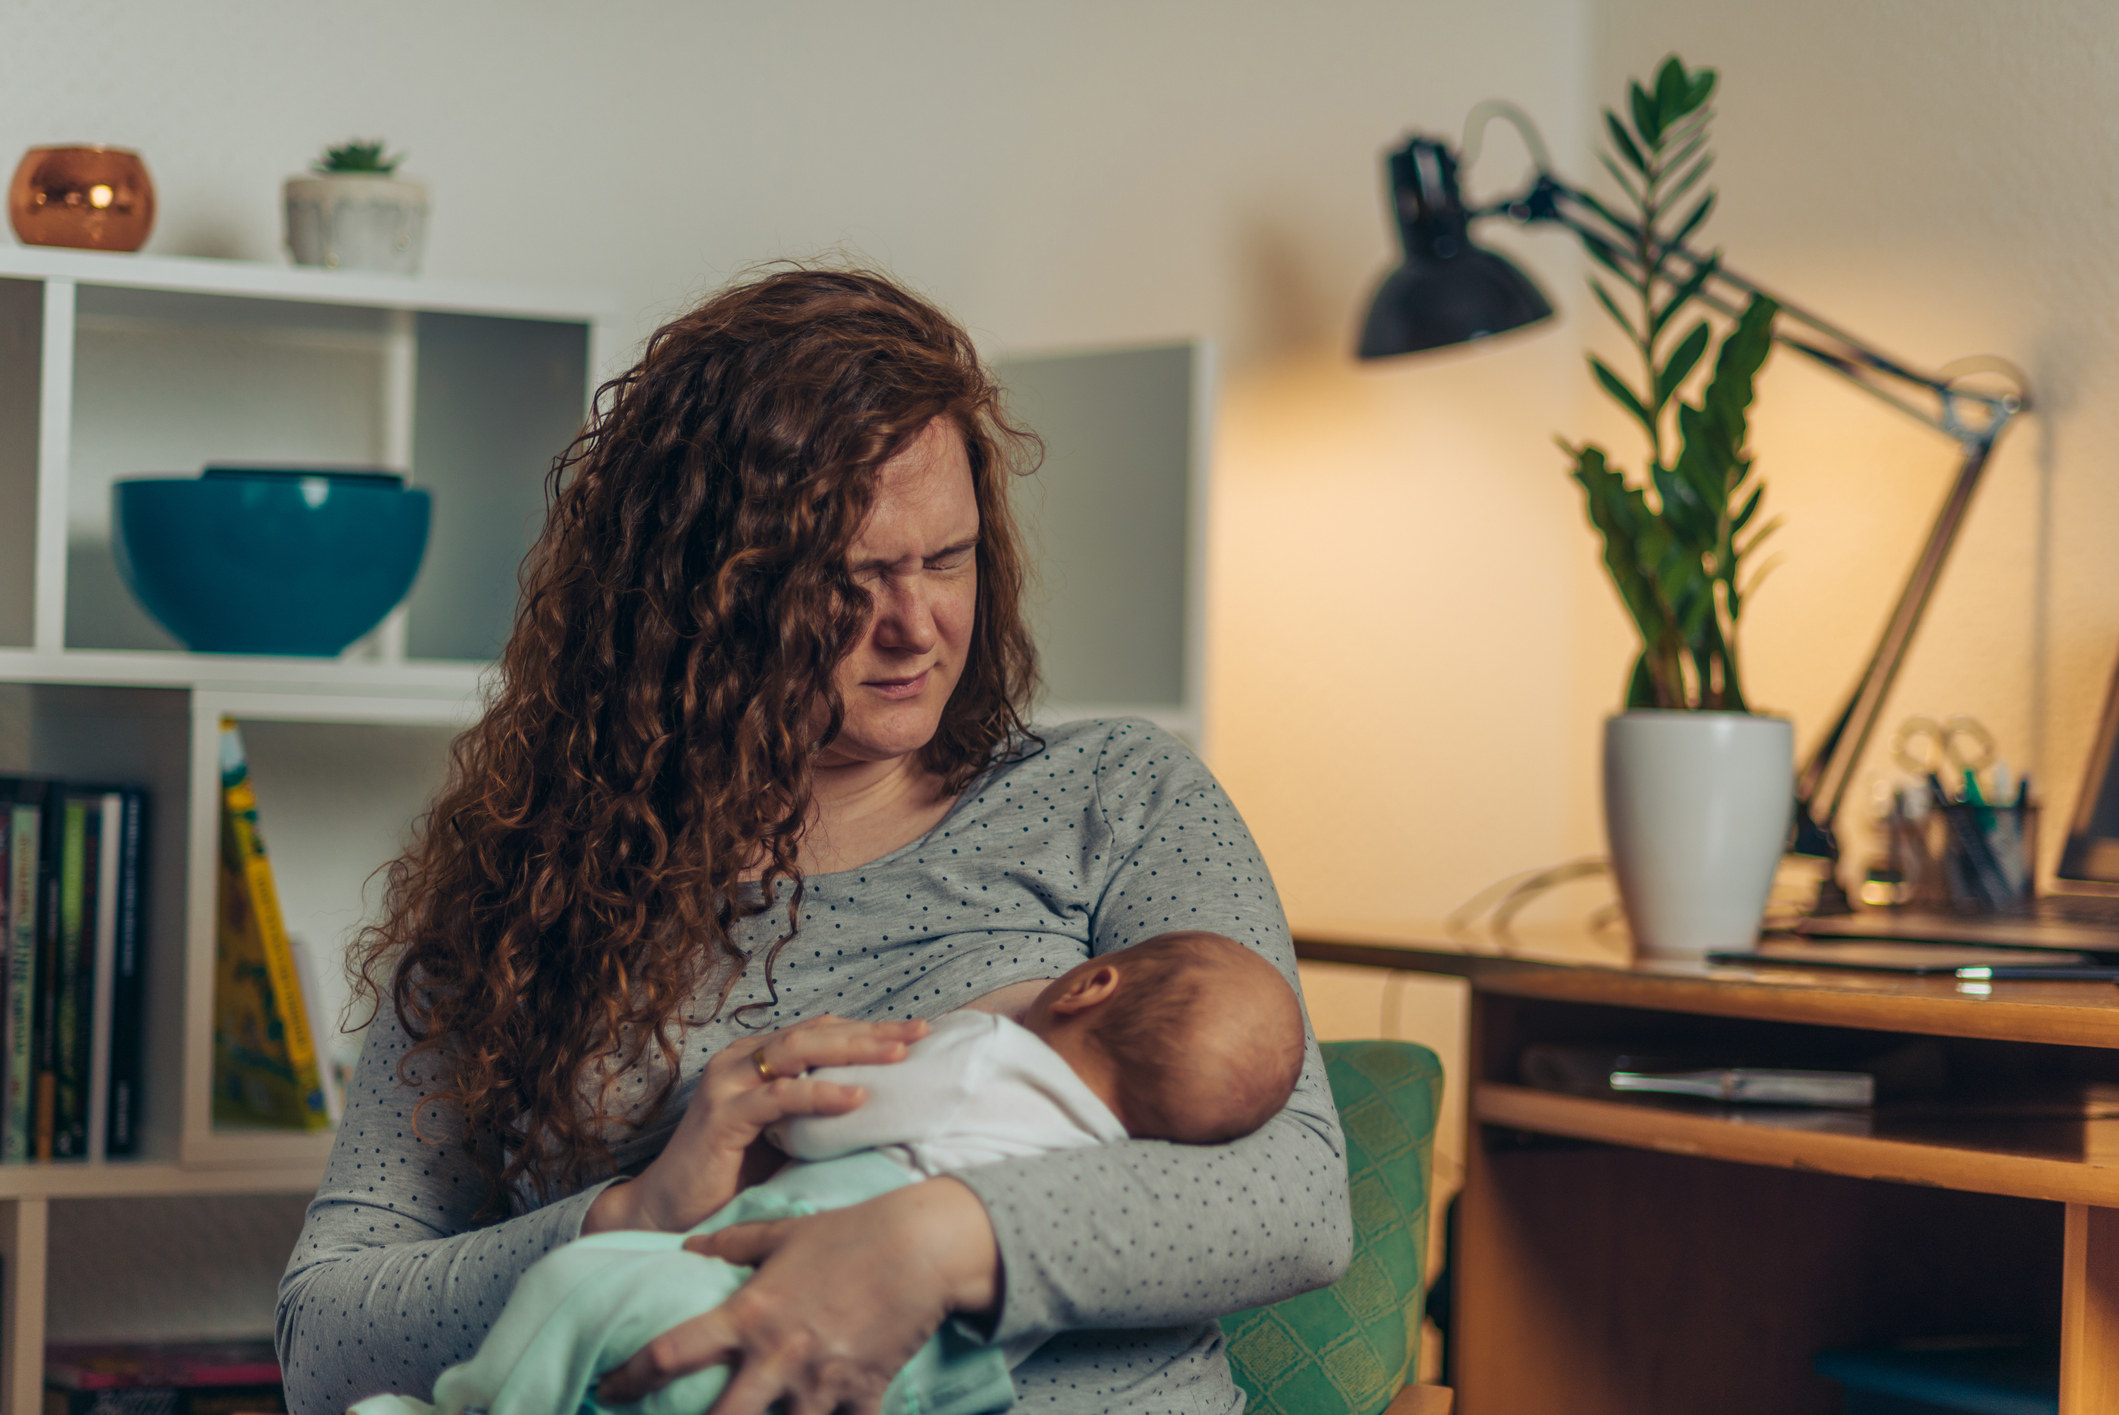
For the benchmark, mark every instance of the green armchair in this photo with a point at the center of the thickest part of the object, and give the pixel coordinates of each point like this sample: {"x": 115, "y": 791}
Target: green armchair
{"x": 1350, "y": 1348}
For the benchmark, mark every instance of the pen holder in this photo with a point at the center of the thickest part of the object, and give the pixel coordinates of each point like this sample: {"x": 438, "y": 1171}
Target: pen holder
{"x": 1977, "y": 859}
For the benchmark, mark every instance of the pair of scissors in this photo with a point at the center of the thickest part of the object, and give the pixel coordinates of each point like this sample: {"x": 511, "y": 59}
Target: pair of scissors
{"x": 1949, "y": 749}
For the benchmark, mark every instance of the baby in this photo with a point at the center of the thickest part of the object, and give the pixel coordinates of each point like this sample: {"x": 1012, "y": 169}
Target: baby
{"x": 1188, "y": 1037}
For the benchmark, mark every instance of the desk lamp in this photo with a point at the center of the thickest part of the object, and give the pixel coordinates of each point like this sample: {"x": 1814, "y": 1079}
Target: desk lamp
{"x": 1449, "y": 290}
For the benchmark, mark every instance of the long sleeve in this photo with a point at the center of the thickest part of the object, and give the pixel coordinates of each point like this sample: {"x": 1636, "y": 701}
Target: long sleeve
{"x": 389, "y": 1282}
{"x": 1148, "y": 1234}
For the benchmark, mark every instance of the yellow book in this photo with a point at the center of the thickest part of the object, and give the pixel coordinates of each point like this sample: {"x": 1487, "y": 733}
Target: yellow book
{"x": 265, "y": 1061}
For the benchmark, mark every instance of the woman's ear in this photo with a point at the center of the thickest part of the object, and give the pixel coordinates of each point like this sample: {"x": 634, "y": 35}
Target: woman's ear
{"x": 1092, "y": 988}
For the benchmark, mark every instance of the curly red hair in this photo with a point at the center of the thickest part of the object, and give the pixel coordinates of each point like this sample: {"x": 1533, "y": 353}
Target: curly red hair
{"x": 577, "y": 882}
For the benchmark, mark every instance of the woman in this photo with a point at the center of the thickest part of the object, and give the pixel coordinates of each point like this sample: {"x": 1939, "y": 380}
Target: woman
{"x": 756, "y": 763}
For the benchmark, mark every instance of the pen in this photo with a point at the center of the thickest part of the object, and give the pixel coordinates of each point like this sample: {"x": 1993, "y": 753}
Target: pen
{"x": 2032, "y": 972}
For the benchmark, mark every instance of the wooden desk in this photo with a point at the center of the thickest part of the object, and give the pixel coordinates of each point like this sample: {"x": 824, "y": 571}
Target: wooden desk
{"x": 1657, "y": 1258}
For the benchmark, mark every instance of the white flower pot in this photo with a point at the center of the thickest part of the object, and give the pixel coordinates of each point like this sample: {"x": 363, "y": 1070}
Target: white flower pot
{"x": 355, "y": 221}
{"x": 1697, "y": 807}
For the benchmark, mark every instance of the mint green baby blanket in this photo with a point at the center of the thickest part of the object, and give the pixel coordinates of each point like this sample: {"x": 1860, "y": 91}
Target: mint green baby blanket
{"x": 584, "y": 1308}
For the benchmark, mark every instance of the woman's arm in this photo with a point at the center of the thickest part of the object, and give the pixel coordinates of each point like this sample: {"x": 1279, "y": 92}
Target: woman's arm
{"x": 390, "y": 1284}
{"x": 1154, "y": 1234}
{"x": 1148, "y": 1234}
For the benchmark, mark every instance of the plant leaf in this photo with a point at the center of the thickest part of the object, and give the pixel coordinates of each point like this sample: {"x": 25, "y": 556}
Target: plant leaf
{"x": 1681, "y": 361}
{"x": 1728, "y": 394}
{"x": 1624, "y": 395}
{"x": 1766, "y": 528}
{"x": 1702, "y": 87}
{"x": 1640, "y": 684}
{"x": 1626, "y": 184}
{"x": 1605, "y": 256}
{"x": 1611, "y": 307}
{"x": 1750, "y": 509}
{"x": 1646, "y": 121}
{"x": 1691, "y": 222}
{"x": 1623, "y": 141}
{"x": 1691, "y": 178}
{"x": 1683, "y": 294}
{"x": 1672, "y": 88}
{"x": 1589, "y": 200}
{"x": 1684, "y": 149}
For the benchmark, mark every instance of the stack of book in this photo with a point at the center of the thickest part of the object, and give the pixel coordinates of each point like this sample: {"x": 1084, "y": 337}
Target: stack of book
{"x": 174, "y": 1378}
{"x": 268, "y": 1068}
{"x": 72, "y": 872}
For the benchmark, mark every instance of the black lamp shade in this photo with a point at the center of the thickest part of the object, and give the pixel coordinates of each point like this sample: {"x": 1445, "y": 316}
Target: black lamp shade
{"x": 1448, "y": 291}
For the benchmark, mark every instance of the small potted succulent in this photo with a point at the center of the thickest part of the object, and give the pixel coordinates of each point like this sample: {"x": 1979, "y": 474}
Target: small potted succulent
{"x": 355, "y": 213}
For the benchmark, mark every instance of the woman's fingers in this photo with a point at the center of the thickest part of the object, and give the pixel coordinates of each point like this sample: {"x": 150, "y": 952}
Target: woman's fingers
{"x": 747, "y": 1245}
{"x": 756, "y": 1384}
{"x": 809, "y": 1045}
{"x": 760, "y": 1106}
{"x": 703, "y": 1341}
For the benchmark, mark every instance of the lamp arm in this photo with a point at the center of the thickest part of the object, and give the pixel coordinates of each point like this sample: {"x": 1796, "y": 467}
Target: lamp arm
{"x": 1964, "y": 414}
{"x": 1975, "y": 420}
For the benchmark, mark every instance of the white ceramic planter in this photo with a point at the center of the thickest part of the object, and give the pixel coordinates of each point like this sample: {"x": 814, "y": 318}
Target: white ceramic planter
{"x": 353, "y": 221}
{"x": 1697, "y": 807}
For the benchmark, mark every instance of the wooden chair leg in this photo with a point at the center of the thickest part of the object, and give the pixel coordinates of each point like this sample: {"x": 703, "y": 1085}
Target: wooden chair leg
{"x": 1422, "y": 1400}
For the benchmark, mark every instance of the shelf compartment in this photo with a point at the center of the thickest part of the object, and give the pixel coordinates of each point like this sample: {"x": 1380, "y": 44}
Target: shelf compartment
{"x": 339, "y": 784}
{"x": 166, "y": 383}
{"x": 494, "y": 400}
{"x": 169, "y": 1267}
{"x": 125, "y": 735}
{"x": 2074, "y": 1162}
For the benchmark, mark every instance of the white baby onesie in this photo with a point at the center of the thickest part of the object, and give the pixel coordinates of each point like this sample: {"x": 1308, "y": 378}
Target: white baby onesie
{"x": 976, "y": 1089}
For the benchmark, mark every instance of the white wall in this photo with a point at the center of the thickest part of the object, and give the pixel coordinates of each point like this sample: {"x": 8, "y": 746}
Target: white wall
{"x": 1390, "y": 593}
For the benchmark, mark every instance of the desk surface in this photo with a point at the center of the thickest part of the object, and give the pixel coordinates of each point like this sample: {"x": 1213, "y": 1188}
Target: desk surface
{"x": 1565, "y": 963}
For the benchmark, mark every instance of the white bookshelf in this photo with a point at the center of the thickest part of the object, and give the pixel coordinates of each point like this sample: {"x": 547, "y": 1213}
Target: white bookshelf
{"x": 115, "y": 365}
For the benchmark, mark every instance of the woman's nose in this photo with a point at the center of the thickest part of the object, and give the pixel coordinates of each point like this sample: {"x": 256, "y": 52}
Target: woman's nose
{"x": 905, "y": 615}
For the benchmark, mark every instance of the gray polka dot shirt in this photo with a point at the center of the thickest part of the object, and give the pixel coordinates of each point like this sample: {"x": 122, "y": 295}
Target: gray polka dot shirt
{"x": 1122, "y": 1255}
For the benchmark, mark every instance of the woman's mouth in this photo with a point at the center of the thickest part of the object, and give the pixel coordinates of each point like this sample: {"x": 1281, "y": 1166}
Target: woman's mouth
{"x": 897, "y": 688}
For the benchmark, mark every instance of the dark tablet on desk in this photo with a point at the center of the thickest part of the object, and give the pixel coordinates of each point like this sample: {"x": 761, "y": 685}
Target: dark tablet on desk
{"x": 1917, "y": 958}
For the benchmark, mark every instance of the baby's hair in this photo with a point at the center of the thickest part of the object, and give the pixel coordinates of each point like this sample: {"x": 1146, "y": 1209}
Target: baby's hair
{"x": 1188, "y": 1073}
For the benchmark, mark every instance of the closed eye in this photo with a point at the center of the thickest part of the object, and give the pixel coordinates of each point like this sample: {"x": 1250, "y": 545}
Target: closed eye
{"x": 953, "y": 557}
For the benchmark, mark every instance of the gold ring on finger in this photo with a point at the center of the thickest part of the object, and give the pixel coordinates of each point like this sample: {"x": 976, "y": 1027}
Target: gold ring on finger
{"x": 765, "y": 1068}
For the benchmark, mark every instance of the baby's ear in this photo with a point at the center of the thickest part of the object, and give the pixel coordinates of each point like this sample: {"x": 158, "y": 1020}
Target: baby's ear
{"x": 1093, "y": 988}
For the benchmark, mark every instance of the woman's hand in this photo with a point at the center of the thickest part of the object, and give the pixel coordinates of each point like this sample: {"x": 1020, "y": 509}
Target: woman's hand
{"x": 746, "y": 1087}
{"x": 840, "y": 1302}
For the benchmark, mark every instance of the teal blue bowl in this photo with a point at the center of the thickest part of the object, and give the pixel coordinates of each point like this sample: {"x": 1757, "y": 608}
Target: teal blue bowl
{"x": 251, "y": 560}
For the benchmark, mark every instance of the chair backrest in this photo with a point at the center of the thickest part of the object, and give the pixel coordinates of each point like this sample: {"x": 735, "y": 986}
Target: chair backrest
{"x": 1347, "y": 1349}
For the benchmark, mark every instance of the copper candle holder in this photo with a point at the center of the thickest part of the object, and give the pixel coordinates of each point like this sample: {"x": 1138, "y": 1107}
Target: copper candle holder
{"x": 92, "y": 198}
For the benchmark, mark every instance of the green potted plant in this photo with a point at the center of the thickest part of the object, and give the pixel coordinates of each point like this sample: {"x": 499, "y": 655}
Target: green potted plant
{"x": 1698, "y": 788}
{"x": 353, "y": 212}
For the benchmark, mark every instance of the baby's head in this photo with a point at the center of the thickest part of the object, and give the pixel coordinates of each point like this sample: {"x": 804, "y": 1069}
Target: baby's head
{"x": 1189, "y": 1036}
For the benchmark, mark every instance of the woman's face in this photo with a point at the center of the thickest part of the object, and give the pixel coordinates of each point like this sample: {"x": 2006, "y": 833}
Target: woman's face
{"x": 917, "y": 558}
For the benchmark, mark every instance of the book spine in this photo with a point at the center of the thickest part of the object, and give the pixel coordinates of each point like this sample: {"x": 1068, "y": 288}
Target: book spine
{"x": 102, "y": 976}
{"x": 128, "y": 1005}
{"x": 45, "y": 1041}
{"x": 76, "y": 905}
{"x": 21, "y": 982}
